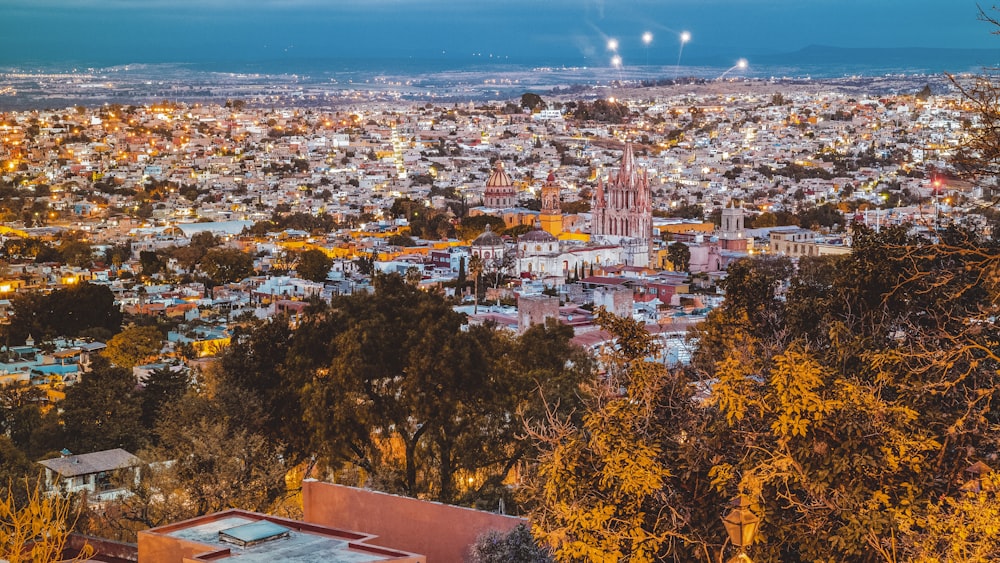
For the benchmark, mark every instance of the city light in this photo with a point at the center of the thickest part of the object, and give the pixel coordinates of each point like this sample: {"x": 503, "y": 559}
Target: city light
{"x": 685, "y": 36}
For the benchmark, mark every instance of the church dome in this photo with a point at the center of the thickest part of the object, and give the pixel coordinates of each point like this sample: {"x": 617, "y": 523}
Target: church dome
{"x": 488, "y": 238}
{"x": 499, "y": 178}
{"x": 537, "y": 236}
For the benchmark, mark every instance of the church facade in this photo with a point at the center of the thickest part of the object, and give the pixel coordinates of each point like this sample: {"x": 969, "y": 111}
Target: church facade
{"x": 622, "y": 213}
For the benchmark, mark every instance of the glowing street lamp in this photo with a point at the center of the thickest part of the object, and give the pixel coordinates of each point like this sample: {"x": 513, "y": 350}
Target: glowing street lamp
{"x": 741, "y": 524}
{"x": 647, "y": 38}
{"x": 741, "y": 64}
{"x": 684, "y": 37}
{"x": 612, "y": 44}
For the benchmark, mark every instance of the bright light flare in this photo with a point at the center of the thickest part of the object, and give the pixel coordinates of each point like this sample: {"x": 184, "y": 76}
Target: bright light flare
{"x": 684, "y": 37}
{"x": 740, "y": 65}
{"x": 647, "y": 38}
{"x": 612, "y": 44}
{"x": 616, "y": 61}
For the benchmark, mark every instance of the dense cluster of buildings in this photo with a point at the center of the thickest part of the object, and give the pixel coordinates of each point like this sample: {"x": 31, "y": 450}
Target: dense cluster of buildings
{"x": 639, "y": 215}
{"x": 597, "y": 203}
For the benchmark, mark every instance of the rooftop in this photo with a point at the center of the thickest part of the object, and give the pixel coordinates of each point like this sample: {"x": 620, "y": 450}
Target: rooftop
{"x": 85, "y": 464}
{"x": 265, "y": 539}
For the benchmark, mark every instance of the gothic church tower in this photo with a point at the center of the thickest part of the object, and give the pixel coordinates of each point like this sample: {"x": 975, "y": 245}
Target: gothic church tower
{"x": 623, "y": 211}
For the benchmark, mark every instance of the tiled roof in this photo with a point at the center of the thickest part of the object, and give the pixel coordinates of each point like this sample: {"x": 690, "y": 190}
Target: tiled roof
{"x": 85, "y": 464}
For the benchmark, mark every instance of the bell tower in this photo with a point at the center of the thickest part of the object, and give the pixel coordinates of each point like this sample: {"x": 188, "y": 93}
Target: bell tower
{"x": 551, "y": 214}
{"x": 732, "y": 236}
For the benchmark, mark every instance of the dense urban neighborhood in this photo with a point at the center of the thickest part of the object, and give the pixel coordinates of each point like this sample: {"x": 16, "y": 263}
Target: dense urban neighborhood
{"x": 608, "y": 316}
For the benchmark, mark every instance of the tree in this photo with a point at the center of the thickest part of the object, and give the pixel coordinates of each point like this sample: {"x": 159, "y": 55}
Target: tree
{"x": 398, "y": 390}
{"x": 216, "y": 467}
{"x": 472, "y": 227}
{"x": 133, "y": 346}
{"x": 314, "y": 265}
{"x": 226, "y": 265}
{"x": 476, "y": 269}
{"x": 103, "y": 411}
{"x": 163, "y": 387}
{"x": 264, "y": 363}
{"x": 680, "y": 256}
{"x": 38, "y": 527}
{"x": 150, "y": 262}
{"x": 979, "y": 155}
{"x": 753, "y": 306}
{"x": 118, "y": 254}
{"x": 365, "y": 264}
{"x": 516, "y": 546}
{"x": 76, "y": 253}
{"x": 395, "y": 380}
{"x": 64, "y": 312}
{"x": 401, "y": 240}
{"x": 532, "y": 101}
{"x": 601, "y": 485}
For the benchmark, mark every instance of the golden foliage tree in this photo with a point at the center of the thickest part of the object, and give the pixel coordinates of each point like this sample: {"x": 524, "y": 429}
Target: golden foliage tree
{"x": 601, "y": 485}
{"x": 36, "y": 529}
{"x": 134, "y": 345}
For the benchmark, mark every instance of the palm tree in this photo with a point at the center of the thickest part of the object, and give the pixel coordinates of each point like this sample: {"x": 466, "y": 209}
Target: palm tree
{"x": 476, "y": 269}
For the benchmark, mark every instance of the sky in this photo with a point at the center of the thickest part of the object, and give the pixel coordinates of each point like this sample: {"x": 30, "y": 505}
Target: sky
{"x": 566, "y": 32}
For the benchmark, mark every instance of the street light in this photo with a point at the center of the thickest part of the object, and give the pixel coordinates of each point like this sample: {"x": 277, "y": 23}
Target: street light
{"x": 741, "y": 525}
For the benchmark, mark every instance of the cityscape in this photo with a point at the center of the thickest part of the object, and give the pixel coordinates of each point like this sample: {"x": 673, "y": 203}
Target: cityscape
{"x": 593, "y": 283}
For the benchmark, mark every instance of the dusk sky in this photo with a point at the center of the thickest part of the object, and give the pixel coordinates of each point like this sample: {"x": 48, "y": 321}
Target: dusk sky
{"x": 570, "y": 32}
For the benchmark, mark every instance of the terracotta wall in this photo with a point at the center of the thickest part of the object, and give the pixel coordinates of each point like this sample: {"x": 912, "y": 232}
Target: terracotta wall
{"x": 104, "y": 550}
{"x": 441, "y": 532}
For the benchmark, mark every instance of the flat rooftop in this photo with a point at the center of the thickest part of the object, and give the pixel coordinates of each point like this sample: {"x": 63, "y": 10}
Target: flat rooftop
{"x": 267, "y": 539}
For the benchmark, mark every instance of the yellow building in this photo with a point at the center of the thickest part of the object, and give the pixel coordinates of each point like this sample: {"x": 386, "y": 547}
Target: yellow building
{"x": 551, "y": 216}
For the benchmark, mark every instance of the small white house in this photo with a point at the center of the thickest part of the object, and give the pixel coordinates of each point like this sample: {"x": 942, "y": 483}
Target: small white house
{"x": 93, "y": 474}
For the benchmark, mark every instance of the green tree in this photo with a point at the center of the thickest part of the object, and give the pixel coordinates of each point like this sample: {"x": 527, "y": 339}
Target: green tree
{"x": 226, "y": 265}
{"x": 753, "y": 307}
{"x": 103, "y": 411}
{"x": 163, "y": 387}
{"x": 532, "y": 101}
{"x": 150, "y": 263}
{"x": 395, "y": 372}
{"x": 680, "y": 256}
{"x": 263, "y": 363}
{"x": 401, "y": 240}
{"x": 472, "y": 227}
{"x": 365, "y": 264}
{"x": 76, "y": 253}
{"x": 516, "y": 546}
{"x": 476, "y": 267}
{"x": 216, "y": 467}
{"x": 133, "y": 346}
{"x": 118, "y": 254}
{"x": 313, "y": 265}
{"x": 64, "y": 312}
